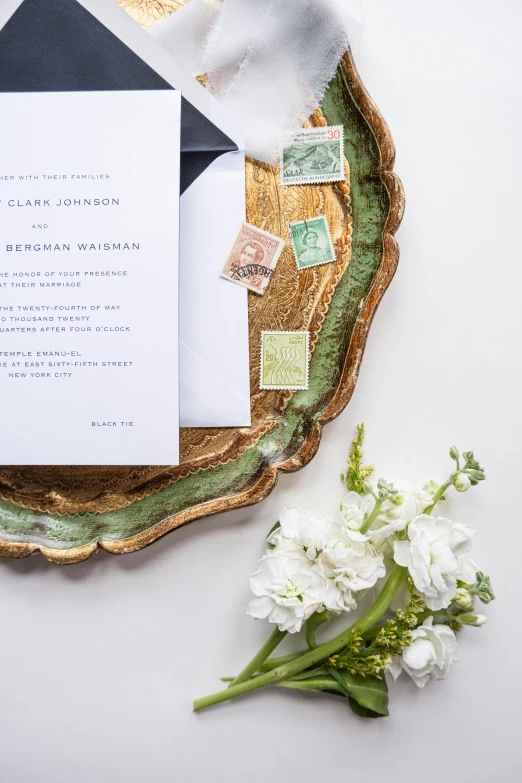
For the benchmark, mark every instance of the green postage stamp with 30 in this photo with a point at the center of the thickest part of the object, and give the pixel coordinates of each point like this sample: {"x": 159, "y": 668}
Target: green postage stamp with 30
{"x": 284, "y": 360}
{"x": 313, "y": 155}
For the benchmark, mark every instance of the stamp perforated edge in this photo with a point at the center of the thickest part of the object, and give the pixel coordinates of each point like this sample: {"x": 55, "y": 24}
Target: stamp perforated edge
{"x": 277, "y": 256}
{"x": 284, "y": 388}
{"x": 310, "y": 180}
{"x": 318, "y": 263}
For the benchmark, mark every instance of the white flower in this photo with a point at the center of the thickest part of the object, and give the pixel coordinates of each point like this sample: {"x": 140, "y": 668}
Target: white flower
{"x": 288, "y": 590}
{"x": 467, "y": 569}
{"x": 462, "y": 535}
{"x": 352, "y": 565}
{"x": 398, "y": 515}
{"x": 431, "y": 556}
{"x": 300, "y": 532}
{"x": 355, "y": 509}
{"x": 429, "y": 656}
{"x": 336, "y": 599}
{"x": 337, "y": 558}
{"x": 462, "y": 482}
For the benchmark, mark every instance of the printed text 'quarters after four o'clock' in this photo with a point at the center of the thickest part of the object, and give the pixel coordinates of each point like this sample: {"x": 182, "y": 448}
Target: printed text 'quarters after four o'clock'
{"x": 253, "y": 258}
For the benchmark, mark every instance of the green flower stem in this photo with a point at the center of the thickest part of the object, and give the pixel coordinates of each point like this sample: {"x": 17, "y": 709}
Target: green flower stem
{"x": 318, "y": 684}
{"x": 269, "y": 646}
{"x": 438, "y": 494}
{"x": 433, "y": 613}
{"x": 310, "y": 638}
{"x": 273, "y": 663}
{"x": 313, "y": 657}
{"x": 320, "y": 671}
{"x": 373, "y": 516}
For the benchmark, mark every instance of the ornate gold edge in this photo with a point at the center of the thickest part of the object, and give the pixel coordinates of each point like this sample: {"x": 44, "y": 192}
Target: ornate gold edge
{"x": 265, "y": 484}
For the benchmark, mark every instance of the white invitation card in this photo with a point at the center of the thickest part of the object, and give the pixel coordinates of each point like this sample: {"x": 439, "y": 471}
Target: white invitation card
{"x": 89, "y": 239}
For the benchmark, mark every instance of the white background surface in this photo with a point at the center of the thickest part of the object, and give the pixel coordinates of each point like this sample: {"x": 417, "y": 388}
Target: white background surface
{"x": 100, "y": 661}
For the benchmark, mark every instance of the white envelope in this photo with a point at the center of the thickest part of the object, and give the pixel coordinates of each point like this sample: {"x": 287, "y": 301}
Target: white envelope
{"x": 213, "y": 313}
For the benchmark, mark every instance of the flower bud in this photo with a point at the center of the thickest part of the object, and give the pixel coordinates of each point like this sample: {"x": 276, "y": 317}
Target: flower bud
{"x": 463, "y": 598}
{"x": 483, "y": 588}
{"x": 453, "y": 452}
{"x": 461, "y": 482}
{"x": 478, "y": 475}
{"x": 472, "y": 619}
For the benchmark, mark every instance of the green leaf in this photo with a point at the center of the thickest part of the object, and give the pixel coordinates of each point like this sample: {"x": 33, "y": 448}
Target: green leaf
{"x": 366, "y": 696}
{"x": 274, "y": 527}
{"x": 369, "y": 692}
{"x": 362, "y": 712}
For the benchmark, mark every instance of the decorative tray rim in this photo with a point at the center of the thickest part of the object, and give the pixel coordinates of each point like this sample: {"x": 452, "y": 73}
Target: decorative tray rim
{"x": 257, "y": 491}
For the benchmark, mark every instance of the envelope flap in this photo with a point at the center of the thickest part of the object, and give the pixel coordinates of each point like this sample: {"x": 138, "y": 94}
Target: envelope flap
{"x": 59, "y": 46}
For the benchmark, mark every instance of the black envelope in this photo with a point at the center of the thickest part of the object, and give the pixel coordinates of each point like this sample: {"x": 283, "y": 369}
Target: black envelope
{"x": 59, "y": 46}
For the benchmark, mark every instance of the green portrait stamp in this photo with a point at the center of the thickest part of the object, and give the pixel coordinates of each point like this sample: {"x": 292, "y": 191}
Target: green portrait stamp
{"x": 284, "y": 360}
{"x": 311, "y": 242}
{"x": 312, "y": 155}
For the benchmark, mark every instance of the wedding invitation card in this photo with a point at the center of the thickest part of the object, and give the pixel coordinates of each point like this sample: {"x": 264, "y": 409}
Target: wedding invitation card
{"x": 89, "y": 216}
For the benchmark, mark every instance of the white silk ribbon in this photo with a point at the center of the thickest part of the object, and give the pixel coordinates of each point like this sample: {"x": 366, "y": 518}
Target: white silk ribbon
{"x": 268, "y": 61}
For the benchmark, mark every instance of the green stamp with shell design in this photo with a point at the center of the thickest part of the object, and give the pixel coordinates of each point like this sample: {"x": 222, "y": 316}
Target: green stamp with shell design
{"x": 284, "y": 360}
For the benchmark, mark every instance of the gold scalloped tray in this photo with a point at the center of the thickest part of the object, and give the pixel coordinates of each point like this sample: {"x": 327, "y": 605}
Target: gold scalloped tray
{"x": 69, "y": 512}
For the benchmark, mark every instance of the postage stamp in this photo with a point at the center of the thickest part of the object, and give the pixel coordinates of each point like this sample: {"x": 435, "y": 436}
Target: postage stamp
{"x": 313, "y": 155}
{"x": 312, "y": 242}
{"x": 284, "y": 360}
{"x": 253, "y": 258}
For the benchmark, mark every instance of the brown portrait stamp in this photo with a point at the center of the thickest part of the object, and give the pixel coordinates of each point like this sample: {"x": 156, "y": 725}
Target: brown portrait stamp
{"x": 253, "y": 258}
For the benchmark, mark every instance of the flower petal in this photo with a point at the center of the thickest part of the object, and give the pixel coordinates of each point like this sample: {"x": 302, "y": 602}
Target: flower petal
{"x": 260, "y": 608}
{"x": 401, "y": 552}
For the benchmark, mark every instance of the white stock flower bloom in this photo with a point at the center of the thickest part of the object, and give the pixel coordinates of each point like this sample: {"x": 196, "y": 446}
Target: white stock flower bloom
{"x": 300, "y": 532}
{"x": 397, "y": 516}
{"x": 429, "y": 656}
{"x": 355, "y": 509}
{"x": 467, "y": 570}
{"x": 431, "y": 556}
{"x": 351, "y": 565}
{"x": 340, "y": 558}
{"x": 288, "y": 590}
